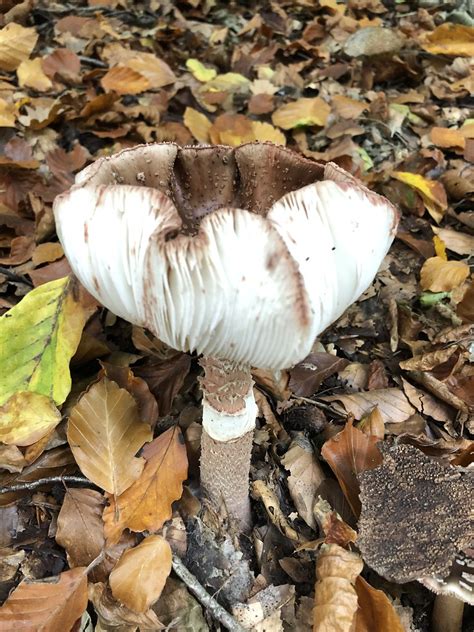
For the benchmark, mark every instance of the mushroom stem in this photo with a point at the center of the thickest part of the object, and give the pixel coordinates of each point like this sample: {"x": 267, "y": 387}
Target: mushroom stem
{"x": 447, "y": 614}
{"x": 229, "y": 412}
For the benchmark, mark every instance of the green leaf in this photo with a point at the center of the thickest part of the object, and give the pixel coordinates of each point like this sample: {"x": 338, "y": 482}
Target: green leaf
{"x": 38, "y": 337}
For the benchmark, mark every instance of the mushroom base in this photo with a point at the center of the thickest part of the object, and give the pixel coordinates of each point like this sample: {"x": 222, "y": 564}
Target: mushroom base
{"x": 225, "y": 468}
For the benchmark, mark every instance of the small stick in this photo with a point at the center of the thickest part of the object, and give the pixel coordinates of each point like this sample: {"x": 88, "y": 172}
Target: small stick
{"x": 13, "y": 276}
{"x": 198, "y": 590}
{"x": 28, "y": 486}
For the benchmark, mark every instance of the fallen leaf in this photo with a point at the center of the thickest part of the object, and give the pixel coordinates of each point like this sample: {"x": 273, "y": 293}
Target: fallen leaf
{"x": 271, "y": 503}
{"x": 21, "y": 250}
{"x": 146, "y": 505}
{"x": 301, "y": 112}
{"x": 105, "y": 432}
{"x": 80, "y": 529}
{"x": 438, "y": 275}
{"x": 306, "y": 475}
{"x": 373, "y": 424}
{"x": 140, "y": 574}
{"x": 114, "y": 616}
{"x": 16, "y": 45}
{"x": 465, "y": 309}
{"x": 47, "y": 252}
{"x": 11, "y": 458}
{"x": 124, "y": 80}
{"x": 308, "y": 375}
{"x": 165, "y": 378}
{"x": 450, "y": 39}
{"x": 460, "y": 243}
{"x": 63, "y": 63}
{"x": 155, "y": 70}
{"x": 31, "y": 75}
{"x": 451, "y": 137}
{"x": 335, "y": 530}
{"x": 374, "y": 610}
{"x": 177, "y": 607}
{"x": 348, "y": 108}
{"x": 47, "y": 605}
{"x": 432, "y": 192}
{"x": 26, "y": 417}
{"x": 200, "y": 71}
{"x": 198, "y": 124}
{"x": 349, "y": 453}
{"x": 8, "y": 114}
{"x": 57, "y": 318}
{"x": 391, "y": 402}
{"x": 264, "y": 132}
{"x": 335, "y": 598}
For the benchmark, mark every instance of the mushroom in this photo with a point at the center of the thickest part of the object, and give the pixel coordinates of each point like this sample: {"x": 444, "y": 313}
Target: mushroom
{"x": 243, "y": 255}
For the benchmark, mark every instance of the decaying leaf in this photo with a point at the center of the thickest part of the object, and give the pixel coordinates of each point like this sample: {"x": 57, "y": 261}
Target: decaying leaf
{"x": 57, "y": 318}
{"x": 306, "y": 475}
{"x": 307, "y": 376}
{"x": 80, "y": 529}
{"x": 114, "y": 616}
{"x": 335, "y": 598}
{"x": 438, "y": 275}
{"x": 147, "y": 503}
{"x": 141, "y": 572}
{"x": 47, "y": 605}
{"x": 391, "y": 402}
{"x": 349, "y": 453}
{"x": 432, "y": 192}
{"x": 105, "y": 433}
{"x": 262, "y": 612}
{"x": 27, "y": 417}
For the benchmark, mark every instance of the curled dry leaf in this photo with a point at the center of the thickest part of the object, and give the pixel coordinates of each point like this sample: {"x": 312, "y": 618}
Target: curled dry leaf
{"x": 432, "y": 192}
{"x": 375, "y": 611}
{"x": 336, "y": 531}
{"x": 335, "y": 598}
{"x": 48, "y": 605}
{"x": 391, "y": 402}
{"x": 306, "y": 475}
{"x": 57, "y": 316}
{"x": 16, "y": 44}
{"x": 438, "y": 275}
{"x": 273, "y": 509}
{"x": 147, "y": 503}
{"x": 80, "y": 529}
{"x": 105, "y": 433}
{"x": 303, "y": 111}
{"x": 140, "y": 574}
{"x": 349, "y": 453}
{"x": 430, "y": 360}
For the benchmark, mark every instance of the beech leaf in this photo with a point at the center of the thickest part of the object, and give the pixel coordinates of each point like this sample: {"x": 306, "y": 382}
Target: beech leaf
{"x": 374, "y": 612}
{"x": 27, "y": 417}
{"x": 392, "y": 404}
{"x": 105, "y": 433}
{"x": 348, "y": 453}
{"x": 147, "y": 503}
{"x": 438, "y": 275}
{"x": 140, "y": 574}
{"x": 48, "y": 605}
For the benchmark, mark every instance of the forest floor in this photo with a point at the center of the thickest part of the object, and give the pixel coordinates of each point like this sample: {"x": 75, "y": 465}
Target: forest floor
{"x": 380, "y": 87}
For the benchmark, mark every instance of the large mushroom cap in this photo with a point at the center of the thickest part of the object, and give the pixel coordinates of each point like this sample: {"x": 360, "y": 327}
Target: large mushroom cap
{"x": 240, "y": 253}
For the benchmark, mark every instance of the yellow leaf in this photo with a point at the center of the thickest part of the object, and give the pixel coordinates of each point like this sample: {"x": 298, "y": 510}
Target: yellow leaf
{"x": 140, "y": 574}
{"x": 146, "y": 505}
{"x": 31, "y": 75}
{"x": 16, "y": 44}
{"x": 7, "y": 114}
{"x": 124, "y": 80}
{"x": 228, "y": 82}
{"x": 231, "y": 129}
{"x": 198, "y": 124}
{"x": 38, "y": 337}
{"x": 105, "y": 433}
{"x": 302, "y": 112}
{"x": 440, "y": 247}
{"x": 266, "y": 132}
{"x": 438, "y": 275}
{"x": 199, "y": 71}
{"x": 450, "y": 39}
{"x": 27, "y": 417}
{"x": 433, "y": 193}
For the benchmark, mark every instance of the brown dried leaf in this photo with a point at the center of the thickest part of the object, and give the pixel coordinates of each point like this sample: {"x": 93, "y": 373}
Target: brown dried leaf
{"x": 349, "y": 453}
{"x": 16, "y": 44}
{"x": 348, "y": 108}
{"x": 114, "y": 617}
{"x": 147, "y": 503}
{"x": 450, "y": 39}
{"x": 80, "y": 528}
{"x": 105, "y": 433}
{"x": 375, "y": 611}
{"x": 373, "y": 424}
{"x": 124, "y": 80}
{"x": 141, "y": 572}
{"x": 165, "y": 378}
{"x": 11, "y": 458}
{"x": 307, "y": 376}
{"x": 465, "y": 308}
{"x": 47, "y": 252}
{"x": 391, "y": 402}
{"x": 47, "y": 605}
{"x": 438, "y": 275}
{"x": 306, "y": 475}
{"x": 460, "y": 243}
{"x": 335, "y": 598}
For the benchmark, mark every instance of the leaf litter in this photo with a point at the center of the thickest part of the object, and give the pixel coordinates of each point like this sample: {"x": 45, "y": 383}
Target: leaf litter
{"x": 380, "y": 88}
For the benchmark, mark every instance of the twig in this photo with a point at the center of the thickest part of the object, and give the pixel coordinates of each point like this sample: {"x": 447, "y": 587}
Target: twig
{"x": 14, "y": 277}
{"x": 93, "y": 62}
{"x": 20, "y": 487}
{"x": 216, "y": 610}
